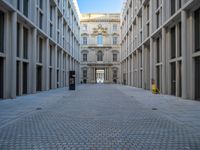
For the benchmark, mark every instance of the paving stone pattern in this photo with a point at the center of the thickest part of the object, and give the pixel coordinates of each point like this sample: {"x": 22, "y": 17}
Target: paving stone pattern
{"x": 94, "y": 117}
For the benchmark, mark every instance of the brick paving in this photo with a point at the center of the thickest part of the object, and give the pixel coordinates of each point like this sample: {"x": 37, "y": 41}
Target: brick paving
{"x": 110, "y": 117}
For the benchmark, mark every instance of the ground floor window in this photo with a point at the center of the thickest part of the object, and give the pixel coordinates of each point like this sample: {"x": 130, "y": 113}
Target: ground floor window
{"x": 1, "y": 76}
{"x": 173, "y": 78}
{"x": 25, "y": 77}
{"x": 1, "y": 31}
{"x": 50, "y": 78}
{"x": 197, "y": 78}
{"x": 18, "y": 78}
{"x": 39, "y": 78}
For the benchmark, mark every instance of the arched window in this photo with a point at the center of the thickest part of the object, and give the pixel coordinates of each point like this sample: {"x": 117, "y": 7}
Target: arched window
{"x": 100, "y": 56}
{"x": 100, "y": 39}
{"x": 85, "y": 57}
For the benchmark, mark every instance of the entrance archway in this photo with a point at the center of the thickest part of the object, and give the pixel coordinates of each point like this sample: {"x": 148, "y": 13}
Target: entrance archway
{"x": 100, "y": 76}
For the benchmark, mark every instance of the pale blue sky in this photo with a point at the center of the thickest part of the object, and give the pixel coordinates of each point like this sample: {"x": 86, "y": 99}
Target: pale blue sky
{"x": 100, "y": 6}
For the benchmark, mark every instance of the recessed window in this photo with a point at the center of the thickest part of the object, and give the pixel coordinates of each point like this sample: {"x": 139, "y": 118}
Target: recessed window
{"x": 173, "y": 42}
{"x": 158, "y": 19}
{"x": 40, "y": 20}
{"x": 158, "y": 49}
{"x": 84, "y": 40}
{"x": 84, "y": 27}
{"x": 114, "y": 57}
{"x": 40, "y": 49}
{"x": 1, "y": 31}
{"x": 84, "y": 73}
{"x": 50, "y": 55}
{"x": 25, "y": 43}
{"x": 18, "y": 40}
{"x": 115, "y": 73}
{"x": 100, "y": 39}
{"x": 100, "y": 56}
{"x": 51, "y": 13}
{"x": 84, "y": 57}
{"x": 173, "y": 6}
{"x": 114, "y": 40}
{"x": 114, "y": 27}
{"x": 41, "y": 4}
{"x": 18, "y": 4}
{"x": 25, "y": 8}
{"x": 197, "y": 30}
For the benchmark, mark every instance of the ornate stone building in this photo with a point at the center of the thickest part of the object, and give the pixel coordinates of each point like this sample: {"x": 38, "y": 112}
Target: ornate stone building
{"x": 100, "y": 48}
{"x": 160, "y": 41}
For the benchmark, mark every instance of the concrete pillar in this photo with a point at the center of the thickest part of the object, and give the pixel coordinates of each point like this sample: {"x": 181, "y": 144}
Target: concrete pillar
{"x": 138, "y": 68}
{"x": 55, "y": 66}
{"x": 62, "y": 69}
{"x": 33, "y": 60}
{"x": 143, "y": 68}
{"x": 46, "y": 64}
{"x": 12, "y": 56}
{"x": 151, "y": 61}
{"x": 184, "y": 54}
{"x": 164, "y": 61}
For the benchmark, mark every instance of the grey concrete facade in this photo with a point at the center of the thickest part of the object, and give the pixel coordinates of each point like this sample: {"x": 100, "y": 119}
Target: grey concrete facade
{"x": 39, "y": 45}
{"x": 160, "y": 41}
{"x": 100, "y": 48}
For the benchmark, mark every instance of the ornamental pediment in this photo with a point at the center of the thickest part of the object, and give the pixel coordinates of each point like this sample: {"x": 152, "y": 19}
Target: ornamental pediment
{"x": 84, "y": 34}
{"x": 115, "y": 34}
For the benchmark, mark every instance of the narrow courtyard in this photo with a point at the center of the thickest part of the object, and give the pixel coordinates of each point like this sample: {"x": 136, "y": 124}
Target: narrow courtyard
{"x": 99, "y": 116}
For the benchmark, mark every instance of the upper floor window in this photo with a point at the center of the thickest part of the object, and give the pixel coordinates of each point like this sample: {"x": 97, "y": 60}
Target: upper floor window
{"x": 84, "y": 27}
{"x": 157, "y": 3}
{"x": 115, "y": 73}
{"x": 114, "y": 40}
{"x": 197, "y": 30}
{"x": 85, "y": 73}
{"x": 173, "y": 6}
{"x": 100, "y": 39}
{"x": 114, "y": 57}
{"x": 41, "y": 4}
{"x": 84, "y": 57}
{"x": 25, "y": 43}
{"x": 115, "y": 27}
{"x": 25, "y": 8}
{"x": 51, "y": 13}
{"x": 1, "y": 31}
{"x": 84, "y": 40}
{"x": 100, "y": 56}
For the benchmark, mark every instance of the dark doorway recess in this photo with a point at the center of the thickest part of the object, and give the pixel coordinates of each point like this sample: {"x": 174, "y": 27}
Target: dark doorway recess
{"x": 39, "y": 78}
{"x": 173, "y": 78}
{"x": 17, "y": 78}
{"x": 197, "y": 78}
{"x": 1, "y": 76}
{"x": 25, "y": 78}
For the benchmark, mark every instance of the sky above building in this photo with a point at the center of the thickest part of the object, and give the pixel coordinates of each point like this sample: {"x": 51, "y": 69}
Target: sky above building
{"x": 100, "y": 6}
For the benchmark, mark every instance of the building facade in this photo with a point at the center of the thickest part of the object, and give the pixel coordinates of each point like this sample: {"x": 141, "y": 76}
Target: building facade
{"x": 100, "y": 48}
{"x": 161, "y": 41}
{"x": 39, "y": 44}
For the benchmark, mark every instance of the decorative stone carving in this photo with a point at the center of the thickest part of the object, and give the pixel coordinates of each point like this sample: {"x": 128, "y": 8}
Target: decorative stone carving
{"x": 99, "y": 30}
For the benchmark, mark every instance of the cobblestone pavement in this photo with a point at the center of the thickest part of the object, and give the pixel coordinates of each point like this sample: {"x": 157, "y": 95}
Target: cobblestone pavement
{"x": 99, "y": 117}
